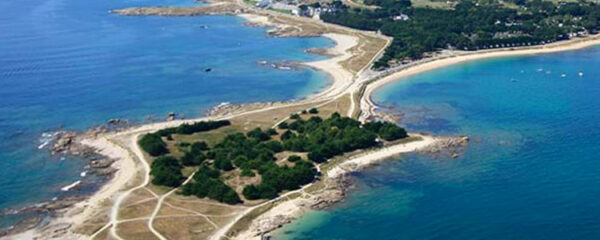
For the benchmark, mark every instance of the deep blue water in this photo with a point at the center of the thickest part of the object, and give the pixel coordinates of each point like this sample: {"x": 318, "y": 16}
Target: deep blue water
{"x": 532, "y": 170}
{"x": 70, "y": 63}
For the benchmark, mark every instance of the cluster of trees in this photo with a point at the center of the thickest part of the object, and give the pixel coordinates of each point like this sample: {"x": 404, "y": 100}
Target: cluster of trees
{"x": 323, "y": 139}
{"x": 166, "y": 171}
{"x": 254, "y": 153}
{"x": 193, "y": 128}
{"x": 276, "y": 179}
{"x": 470, "y": 25}
{"x": 387, "y": 131}
{"x": 207, "y": 184}
{"x": 153, "y": 144}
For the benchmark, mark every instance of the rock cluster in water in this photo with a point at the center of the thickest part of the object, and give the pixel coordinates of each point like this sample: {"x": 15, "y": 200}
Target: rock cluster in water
{"x": 451, "y": 147}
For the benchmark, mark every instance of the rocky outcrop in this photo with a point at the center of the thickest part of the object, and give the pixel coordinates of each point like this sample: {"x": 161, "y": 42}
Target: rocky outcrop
{"x": 40, "y": 211}
{"x": 46, "y": 207}
{"x": 265, "y": 225}
{"x": 319, "y": 51}
{"x": 452, "y": 147}
{"x": 67, "y": 142}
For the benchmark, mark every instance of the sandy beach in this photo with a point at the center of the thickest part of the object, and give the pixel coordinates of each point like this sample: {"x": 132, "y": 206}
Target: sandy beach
{"x": 133, "y": 169}
{"x": 341, "y": 78}
{"x": 294, "y": 208}
{"x": 425, "y": 65}
{"x": 371, "y": 157}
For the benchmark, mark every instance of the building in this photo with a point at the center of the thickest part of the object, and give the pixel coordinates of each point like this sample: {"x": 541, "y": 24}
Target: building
{"x": 287, "y": 7}
{"x": 401, "y": 17}
{"x": 263, "y": 3}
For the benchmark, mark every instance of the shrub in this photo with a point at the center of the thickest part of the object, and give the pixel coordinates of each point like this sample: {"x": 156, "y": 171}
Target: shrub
{"x": 153, "y": 144}
{"x": 313, "y": 111}
{"x": 200, "y": 126}
{"x": 258, "y": 134}
{"x": 283, "y": 125}
{"x": 193, "y": 159}
{"x": 271, "y": 132}
{"x": 198, "y": 147}
{"x": 212, "y": 188}
{"x": 294, "y": 158}
{"x": 166, "y": 171}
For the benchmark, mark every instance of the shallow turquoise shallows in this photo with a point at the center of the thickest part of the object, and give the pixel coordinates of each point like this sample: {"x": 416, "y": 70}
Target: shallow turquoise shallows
{"x": 71, "y": 63}
{"x": 532, "y": 170}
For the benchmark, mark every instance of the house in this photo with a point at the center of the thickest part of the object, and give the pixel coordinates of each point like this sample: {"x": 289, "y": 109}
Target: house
{"x": 287, "y": 7}
{"x": 401, "y": 17}
{"x": 263, "y": 3}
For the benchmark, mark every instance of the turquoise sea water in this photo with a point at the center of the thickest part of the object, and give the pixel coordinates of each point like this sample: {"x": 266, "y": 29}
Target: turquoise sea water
{"x": 70, "y": 63}
{"x": 532, "y": 170}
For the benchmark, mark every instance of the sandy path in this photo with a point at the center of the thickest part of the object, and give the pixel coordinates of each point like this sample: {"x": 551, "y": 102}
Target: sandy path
{"x": 159, "y": 205}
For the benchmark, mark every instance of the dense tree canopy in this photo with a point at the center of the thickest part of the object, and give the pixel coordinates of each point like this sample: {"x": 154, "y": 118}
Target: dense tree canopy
{"x": 207, "y": 184}
{"x": 153, "y": 144}
{"x": 253, "y": 154}
{"x": 166, "y": 171}
{"x": 469, "y": 25}
{"x": 186, "y": 128}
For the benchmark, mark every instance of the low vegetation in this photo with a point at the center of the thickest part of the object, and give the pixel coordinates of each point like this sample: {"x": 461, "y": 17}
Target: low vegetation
{"x": 271, "y": 161}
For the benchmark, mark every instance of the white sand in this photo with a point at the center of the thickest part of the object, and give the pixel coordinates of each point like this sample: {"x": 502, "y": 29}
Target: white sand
{"x": 341, "y": 78}
{"x": 367, "y": 105}
{"x": 371, "y": 157}
{"x": 343, "y": 82}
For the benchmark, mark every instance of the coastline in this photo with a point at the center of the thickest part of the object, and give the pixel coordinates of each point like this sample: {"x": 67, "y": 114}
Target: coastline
{"x": 286, "y": 211}
{"x": 425, "y": 65}
{"x": 341, "y": 78}
{"x": 343, "y": 81}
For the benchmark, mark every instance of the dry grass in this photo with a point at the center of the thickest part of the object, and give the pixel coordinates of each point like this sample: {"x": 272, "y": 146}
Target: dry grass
{"x": 202, "y": 206}
{"x": 167, "y": 210}
{"x": 101, "y": 235}
{"x": 137, "y": 196}
{"x": 183, "y": 228}
{"x": 135, "y": 230}
{"x": 359, "y": 4}
{"x": 221, "y": 221}
{"x": 93, "y": 224}
{"x": 211, "y": 137}
{"x": 367, "y": 48}
{"x": 340, "y": 105}
{"x": 267, "y": 119}
{"x": 432, "y": 4}
{"x": 143, "y": 209}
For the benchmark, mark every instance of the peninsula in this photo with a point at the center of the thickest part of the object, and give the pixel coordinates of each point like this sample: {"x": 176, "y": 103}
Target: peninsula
{"x": 245, "y": 170}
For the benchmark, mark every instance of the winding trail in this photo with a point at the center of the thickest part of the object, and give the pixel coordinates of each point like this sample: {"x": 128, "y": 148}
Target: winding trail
{"x": 159, "y": 205}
